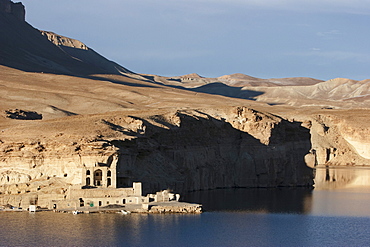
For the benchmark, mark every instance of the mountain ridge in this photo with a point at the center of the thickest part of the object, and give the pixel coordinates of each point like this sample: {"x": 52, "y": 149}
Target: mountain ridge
{"x": 26, "y": 48}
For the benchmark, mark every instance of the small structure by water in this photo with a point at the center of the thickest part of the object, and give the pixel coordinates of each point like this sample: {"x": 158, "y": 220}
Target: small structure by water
{"x": 91, "y": 200}
{"x": 97, "y": 186}
{"x": 32, "y": 208}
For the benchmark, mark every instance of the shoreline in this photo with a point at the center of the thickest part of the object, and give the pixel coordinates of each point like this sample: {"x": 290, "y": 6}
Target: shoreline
{"x": 171, "y": 207}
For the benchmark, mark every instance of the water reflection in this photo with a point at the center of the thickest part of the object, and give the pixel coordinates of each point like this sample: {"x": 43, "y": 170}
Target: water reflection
{"x": 341, "y": 177}
{"x": 275, "y": 200}
{"x": 341, "y": 191}
{"x": 139, "y": 229}
{"x": 338, "y": 192}
{"x": 208, "y": 229}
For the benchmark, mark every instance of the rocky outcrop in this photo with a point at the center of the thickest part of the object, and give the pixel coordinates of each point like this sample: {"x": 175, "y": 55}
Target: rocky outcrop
{"x": 338, "y": 142}
{"x": 30, "y": 164}
{"x": 183, "y": 151}
{"x": 36, "y": 171}
{"x": 16, "y": 9}
{"x": 22, "y": 114}
{"x": 79, "y": 51}
{"x": 192, "y": 150}
{"x": 64, "y": 41}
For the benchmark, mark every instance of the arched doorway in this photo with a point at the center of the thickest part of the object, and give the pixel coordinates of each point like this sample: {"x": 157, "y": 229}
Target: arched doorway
{"x": 98, "y": 177}
{"x": 88, "y": 181}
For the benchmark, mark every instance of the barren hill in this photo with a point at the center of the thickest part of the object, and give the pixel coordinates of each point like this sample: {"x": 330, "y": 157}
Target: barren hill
{"x": 339, "y": 92}
{"x": 294, "y": 91}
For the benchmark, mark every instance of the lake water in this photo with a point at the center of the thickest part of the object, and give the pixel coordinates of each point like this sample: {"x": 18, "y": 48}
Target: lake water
{"x": 330, "y": 215}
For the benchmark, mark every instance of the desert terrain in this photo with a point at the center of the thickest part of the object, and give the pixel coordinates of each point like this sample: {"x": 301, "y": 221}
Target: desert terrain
{"x": 63, "y": 106}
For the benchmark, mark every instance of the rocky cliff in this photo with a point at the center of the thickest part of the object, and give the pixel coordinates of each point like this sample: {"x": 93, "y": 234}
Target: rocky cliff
{"x": 239, "y": 147}
{"x": 340, "y": 139}
{"x": 181, "y": 150}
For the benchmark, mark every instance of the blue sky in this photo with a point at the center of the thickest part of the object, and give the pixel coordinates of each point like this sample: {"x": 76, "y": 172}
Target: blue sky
{"x": 323, "y": 39}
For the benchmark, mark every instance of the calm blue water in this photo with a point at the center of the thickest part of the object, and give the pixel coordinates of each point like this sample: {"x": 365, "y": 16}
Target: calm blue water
{"x": 233, "y": 217}
{"x": 208, "y": 229}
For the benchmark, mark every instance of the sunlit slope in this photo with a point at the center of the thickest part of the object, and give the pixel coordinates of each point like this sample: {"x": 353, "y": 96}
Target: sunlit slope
{"x": 63, "y": 95}
{"x": 338, "y": 92}
{"x": 294, "y": 91}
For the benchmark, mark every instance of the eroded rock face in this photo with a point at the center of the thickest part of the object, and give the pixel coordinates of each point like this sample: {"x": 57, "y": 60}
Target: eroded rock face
{"x": 14, "y": 177}
{"x": 64, "y": 41}
{"x": 26, "y": 163}
{"x": 336, "y": 142}
{"x": 189, "y": 150}
{"x": 237, "y": 148}
{"x": 183, "y": 151}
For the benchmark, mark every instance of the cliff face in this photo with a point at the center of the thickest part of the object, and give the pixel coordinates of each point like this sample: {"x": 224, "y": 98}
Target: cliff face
{"x": 339, "y": 142}
{"x": 185, "y": 150}
{"x": 33, "y": 172}
{"x": 27, "y": 162}
{"x": 193, "y": 150}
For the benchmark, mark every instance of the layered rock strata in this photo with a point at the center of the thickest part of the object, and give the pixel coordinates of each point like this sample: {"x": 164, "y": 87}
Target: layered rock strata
{"x": 34, "y": 172}
{"x": 183, "y": 151}
{"x": 240, "y": 147}
{"x": 338, "y": 142}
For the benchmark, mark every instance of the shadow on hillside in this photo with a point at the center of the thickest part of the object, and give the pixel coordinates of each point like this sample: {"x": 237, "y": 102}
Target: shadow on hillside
{"x": 121, "y": 82}
{"x": 215, "y": 88}
{"x": 96, "y": 77}
{"x": 118, "y": 128}
{"x": 219, "y": 88}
